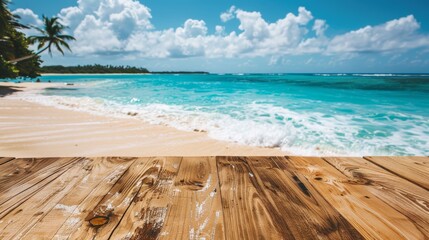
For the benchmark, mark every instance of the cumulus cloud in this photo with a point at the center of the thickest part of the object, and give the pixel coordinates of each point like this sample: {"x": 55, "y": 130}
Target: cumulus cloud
{"x": 124, "y": 16}
{"x": 94, "y": 35}
{"x": 320, "y": 27}
{"x": 105, "y": 26}
{"x": 228, "y": 15}
{"x": 398, "y": 34}
{"x": 253, "y": 25}
{"x": 219, "y": 29}
{"x": 192, "y": 28}
{"x": 28, "y": 18}
{"x": 71, "y": 16}
{"x": 124, "y": 27}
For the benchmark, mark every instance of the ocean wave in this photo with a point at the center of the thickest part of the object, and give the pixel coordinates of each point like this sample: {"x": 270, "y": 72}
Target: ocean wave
{"x": 371, "y": 74}
{"x": 330, "y": 74}
{"x": 267, "y": 125}
{"x": 389, "y": 75}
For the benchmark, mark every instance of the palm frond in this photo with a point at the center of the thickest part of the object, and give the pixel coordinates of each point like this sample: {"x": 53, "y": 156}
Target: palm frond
{"x": 66, "y": 37}
{"x": 39, "y": 30}
{"x": 16, "y": 24}
{"x": 57, "y": 45}
{"x": 65, "y": 44}
{"x": 52, "y": 34}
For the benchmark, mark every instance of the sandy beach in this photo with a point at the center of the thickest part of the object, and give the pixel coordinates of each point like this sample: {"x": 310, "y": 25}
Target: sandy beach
{"x": 32, "y": 130}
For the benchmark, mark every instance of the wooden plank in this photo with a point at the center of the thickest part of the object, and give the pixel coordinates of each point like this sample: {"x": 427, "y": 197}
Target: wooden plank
{"x": 414, "y": 169}
{"x": 115, "y": 203}
{"x": 77, "y": 219}
{"x": 244, "y": 212}
{"x": 146, "y": 215}
{"x": 356, "y": 200}
{"x": 262, "y": 199}
{"x": 5, "y": 159}
{"x": 17, "y": 222}
{"x": 293, "y": 199}
{"x": 196, "y": 210}
{"x": 406, "y": 197}
{"x": 22, "y": 173}
{"x": 22, "y": 178}
{"x": 99, "y": 173}
{"x": 170, "y": 198}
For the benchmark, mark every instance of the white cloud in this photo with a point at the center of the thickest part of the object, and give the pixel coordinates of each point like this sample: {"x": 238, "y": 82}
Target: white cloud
{"x": 98, "y": 23}
{"x": 124, "y": 16}
{"x": 192, "y": 28}
{"x": 228, "y": 15}
{"x": 253, "y": 25}
{"x": 71, "y": 16}
{"x": 28, "y": 17}
{"x": 287, "y": 33}
{"x": 123, "y": 27}
{"x": 398, "y": 34}
{"x": 220, "y": 30}
{"x": 88, "y": 6}
{"x": 320, "y": 27}
{"x": 95, "y": 36}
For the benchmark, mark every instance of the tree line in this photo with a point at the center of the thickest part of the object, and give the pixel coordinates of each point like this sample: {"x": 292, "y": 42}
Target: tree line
{"x": 96, "y": 68}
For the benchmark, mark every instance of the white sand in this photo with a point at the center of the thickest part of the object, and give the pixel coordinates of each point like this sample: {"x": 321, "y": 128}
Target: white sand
{"x": 33, "y": 130}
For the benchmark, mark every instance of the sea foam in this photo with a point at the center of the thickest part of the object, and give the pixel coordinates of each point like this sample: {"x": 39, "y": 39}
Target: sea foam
{"x": 267, "y": 125}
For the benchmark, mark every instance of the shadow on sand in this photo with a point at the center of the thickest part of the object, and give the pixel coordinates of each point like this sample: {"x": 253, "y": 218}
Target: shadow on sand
{"x": 5, "y": 90}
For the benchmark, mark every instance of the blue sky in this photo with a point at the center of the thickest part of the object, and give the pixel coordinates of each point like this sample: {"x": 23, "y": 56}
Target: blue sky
{"x": 242, "y": 36}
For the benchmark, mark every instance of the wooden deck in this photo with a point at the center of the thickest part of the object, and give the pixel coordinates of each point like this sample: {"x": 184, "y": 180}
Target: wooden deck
{"x": 214, "y": 198}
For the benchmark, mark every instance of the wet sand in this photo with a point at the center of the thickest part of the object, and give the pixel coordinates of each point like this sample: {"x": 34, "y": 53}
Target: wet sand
{"x": 33, "y": 130}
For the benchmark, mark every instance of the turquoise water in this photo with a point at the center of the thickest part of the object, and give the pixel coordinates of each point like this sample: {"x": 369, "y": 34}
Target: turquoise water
{"x": 308, "y": 114}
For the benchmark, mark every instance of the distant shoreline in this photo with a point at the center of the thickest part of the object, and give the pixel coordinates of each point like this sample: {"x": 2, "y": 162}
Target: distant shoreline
{"x": 150, "y": 73}
{"x": 184, "y": 72}
{"x": 65, "y": 74}
{"x": 106, "y": 69}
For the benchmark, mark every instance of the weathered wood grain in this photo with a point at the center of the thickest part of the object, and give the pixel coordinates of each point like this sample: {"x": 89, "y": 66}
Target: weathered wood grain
{"x": 17, "y": 222}
{"x": 414, "y": 169}
{"x": 355, "y": 200}
{"x": 214, "y": 198}
{"x": 23, "y": 173}
{"x": 147, "y": 213}
{"x": 196, "y": 202}
{"x": 406, "y": 197}
{"x": 5, "y": 159}
{"x": 245, "y": 214}
{"x": 116, "y": 202}
{"x": 262, "y": 193}
{"x": 22, "y": 178}
{"x": 77, "y": 219}
{"x": 66, "y": 211}
{"x": 292, "y": 199}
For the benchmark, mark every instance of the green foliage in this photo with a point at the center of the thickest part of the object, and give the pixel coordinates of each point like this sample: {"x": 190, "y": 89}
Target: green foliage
{"x": 5, "y": 17}
{"x": 29, "y": 67}
{"x": 52, "y": 35}
{"x": 7, "y": 70}
{"x": 97, "y": 68}
{"x": 14, "y": 44}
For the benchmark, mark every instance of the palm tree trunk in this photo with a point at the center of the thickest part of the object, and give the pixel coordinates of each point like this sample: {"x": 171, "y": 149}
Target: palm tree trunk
{"x": 15, "y": 61}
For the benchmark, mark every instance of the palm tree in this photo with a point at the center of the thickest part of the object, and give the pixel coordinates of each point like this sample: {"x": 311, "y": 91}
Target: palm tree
{"x": 5, "y": 17}
{"x": 8, "y": 20}
{"x": 52, "y": 35}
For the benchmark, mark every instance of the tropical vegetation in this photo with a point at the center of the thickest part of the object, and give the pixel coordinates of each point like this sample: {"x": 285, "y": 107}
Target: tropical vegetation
{"x": 96, "y": 68}
{"x": 16, "y": 59}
